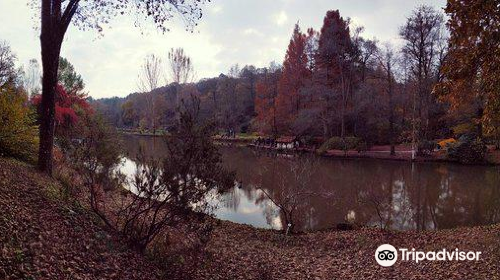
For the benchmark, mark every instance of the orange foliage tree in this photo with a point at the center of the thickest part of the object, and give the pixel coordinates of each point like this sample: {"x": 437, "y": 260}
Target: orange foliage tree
{"x": 295, "y": 73}
{"x": 266, "y": 92}
{"x": 472, "y": 66}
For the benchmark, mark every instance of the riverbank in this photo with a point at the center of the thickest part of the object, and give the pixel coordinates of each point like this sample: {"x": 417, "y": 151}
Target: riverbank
{"x": 44, "y": 237}
{"x": 402, "y": 153}
{"x": 381, "y": 152}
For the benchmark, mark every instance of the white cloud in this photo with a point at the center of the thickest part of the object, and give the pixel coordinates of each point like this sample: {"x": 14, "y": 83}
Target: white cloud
{"x": 281, "y": 18}
{"x": 252, "y": 31}
{"x": 217, "y": 9}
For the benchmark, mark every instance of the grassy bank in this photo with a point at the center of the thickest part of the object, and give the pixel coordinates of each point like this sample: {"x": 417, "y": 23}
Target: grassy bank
{"x": 44, "y": 237}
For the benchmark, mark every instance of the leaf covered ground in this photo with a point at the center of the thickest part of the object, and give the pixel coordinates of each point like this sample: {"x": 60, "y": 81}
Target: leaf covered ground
{"x": 42, "y": 237}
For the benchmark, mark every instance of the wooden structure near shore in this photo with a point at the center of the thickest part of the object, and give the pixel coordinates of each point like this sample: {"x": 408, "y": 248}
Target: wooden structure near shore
{"x": 288, "y": 143}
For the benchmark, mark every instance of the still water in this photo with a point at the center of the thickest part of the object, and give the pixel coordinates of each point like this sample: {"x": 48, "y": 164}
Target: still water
{"x": 327, "y": 192}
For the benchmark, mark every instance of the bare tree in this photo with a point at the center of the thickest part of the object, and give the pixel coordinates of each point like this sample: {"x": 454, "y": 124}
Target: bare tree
{"x": 234, "y": 71}
{"x": 149, "y": 79}
{"x": 292, "y": 191}
{"x": 57, "y": 15}
{"x": 387, "y": 63}
{"x": 33, "y": 77}
{"x": 424, "y": 35}
{"x": 180, "y": 66}
{"x": 163, "y": 193}
{"x": 181, "y": 71}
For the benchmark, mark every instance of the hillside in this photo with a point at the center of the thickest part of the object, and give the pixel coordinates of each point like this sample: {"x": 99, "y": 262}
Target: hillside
{"x": 42, "y": 237}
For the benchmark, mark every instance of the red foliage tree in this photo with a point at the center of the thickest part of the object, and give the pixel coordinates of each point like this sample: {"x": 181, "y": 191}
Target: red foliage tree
{"x": 295, "y": 73}
{"x": 70, "y": 108}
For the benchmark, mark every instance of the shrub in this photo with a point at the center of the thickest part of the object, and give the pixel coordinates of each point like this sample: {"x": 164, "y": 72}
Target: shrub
{"x": 426, "y": 147}
{"x": 18, "y": 132}
{"x": 344, "y": 144}
{"x": 446, "y": 143}
{"x": 468, "y": 150}
{"x": 163, "y": 193}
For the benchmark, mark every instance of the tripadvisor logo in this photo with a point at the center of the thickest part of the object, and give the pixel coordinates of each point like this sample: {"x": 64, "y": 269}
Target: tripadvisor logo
{"x": 387, "y": 255}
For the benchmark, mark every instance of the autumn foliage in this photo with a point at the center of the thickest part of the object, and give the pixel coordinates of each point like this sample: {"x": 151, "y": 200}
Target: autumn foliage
{"x": 293, "y": 78}
{"x": 71, "y": 107}
{"x": 472, "y": 67}
{"x": 18, "y": 130}
{"x": 265, "y": 103}
{"x": 336, "y": 82}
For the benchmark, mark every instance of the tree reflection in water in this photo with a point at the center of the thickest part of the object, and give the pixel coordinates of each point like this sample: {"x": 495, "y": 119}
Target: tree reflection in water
{"x": 387, "y": 194}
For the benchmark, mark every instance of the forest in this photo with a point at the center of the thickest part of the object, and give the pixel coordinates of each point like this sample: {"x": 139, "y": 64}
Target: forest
{"x": 334, "y": 82}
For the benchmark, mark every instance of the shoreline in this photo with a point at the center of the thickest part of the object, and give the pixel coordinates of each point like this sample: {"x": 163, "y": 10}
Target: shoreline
{"x": 492, "y": 157}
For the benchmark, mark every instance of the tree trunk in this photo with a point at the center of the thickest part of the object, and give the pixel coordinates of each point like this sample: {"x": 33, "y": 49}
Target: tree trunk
{"x": 391, "y": 108}
{"x": 342, "y": 106}
{"x": 51, "y": 39}
{"x": 479, "y": 127}
{"x": 47, "y": 125}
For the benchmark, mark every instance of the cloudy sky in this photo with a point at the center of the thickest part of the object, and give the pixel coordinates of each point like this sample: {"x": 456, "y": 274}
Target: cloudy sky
{"x": 231, "y": 31}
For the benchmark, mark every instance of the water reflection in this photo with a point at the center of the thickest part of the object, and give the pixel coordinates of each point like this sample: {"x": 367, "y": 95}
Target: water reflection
{"x": 387, "y": 194}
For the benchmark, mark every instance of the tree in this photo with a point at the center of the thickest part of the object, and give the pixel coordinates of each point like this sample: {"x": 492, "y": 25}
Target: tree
{"x": 33, "y": 77}
{"x": 180, "y": 66}
{"x": 164, "y": 193}
{"x": 18, "y": 130}
{"x": 363, "y": 107}
{"x": 69, "y": 78}
{"x": 149, "y": 79}
{"x": 229, "y": 108}
{"x": 471, "y": 68}
{"x": 265, "y": 100}
{"x": 292, "y": 190}
{"x": 181, "y": 71}
{"x": 366, "y": 52}
{"x": 129, "y": 115}
{"x": 294, "y": 74}
{"x": 7, "y": 63}
{"x": 234, "y": 71}
{"x": 71, "y": 107}
{"x": 57, "y": 15}
{"x": 311, "y": 48}
{"x": 248, "y": 79}
{"x": 424, "y": 48}
{"x": 387, "y": 63}
{"x": 334, "y": 64}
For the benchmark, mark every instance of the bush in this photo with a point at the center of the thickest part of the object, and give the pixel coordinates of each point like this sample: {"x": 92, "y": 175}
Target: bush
{"x": 163, "y": 193}
{"x": 426, "y": 147}
{"x": 96, "y": 155}
{"x": 446, "y": 143}
{"x": 468, "y": 150}
{"x": 18, "y": 132}
{"x": 344, "y": 144}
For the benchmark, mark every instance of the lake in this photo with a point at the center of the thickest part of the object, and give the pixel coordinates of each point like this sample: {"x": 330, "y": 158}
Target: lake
{"x": 388, "y": 194}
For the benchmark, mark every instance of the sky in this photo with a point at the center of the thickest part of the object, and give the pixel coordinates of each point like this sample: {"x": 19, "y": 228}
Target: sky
{"x": 231, "y": 32}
